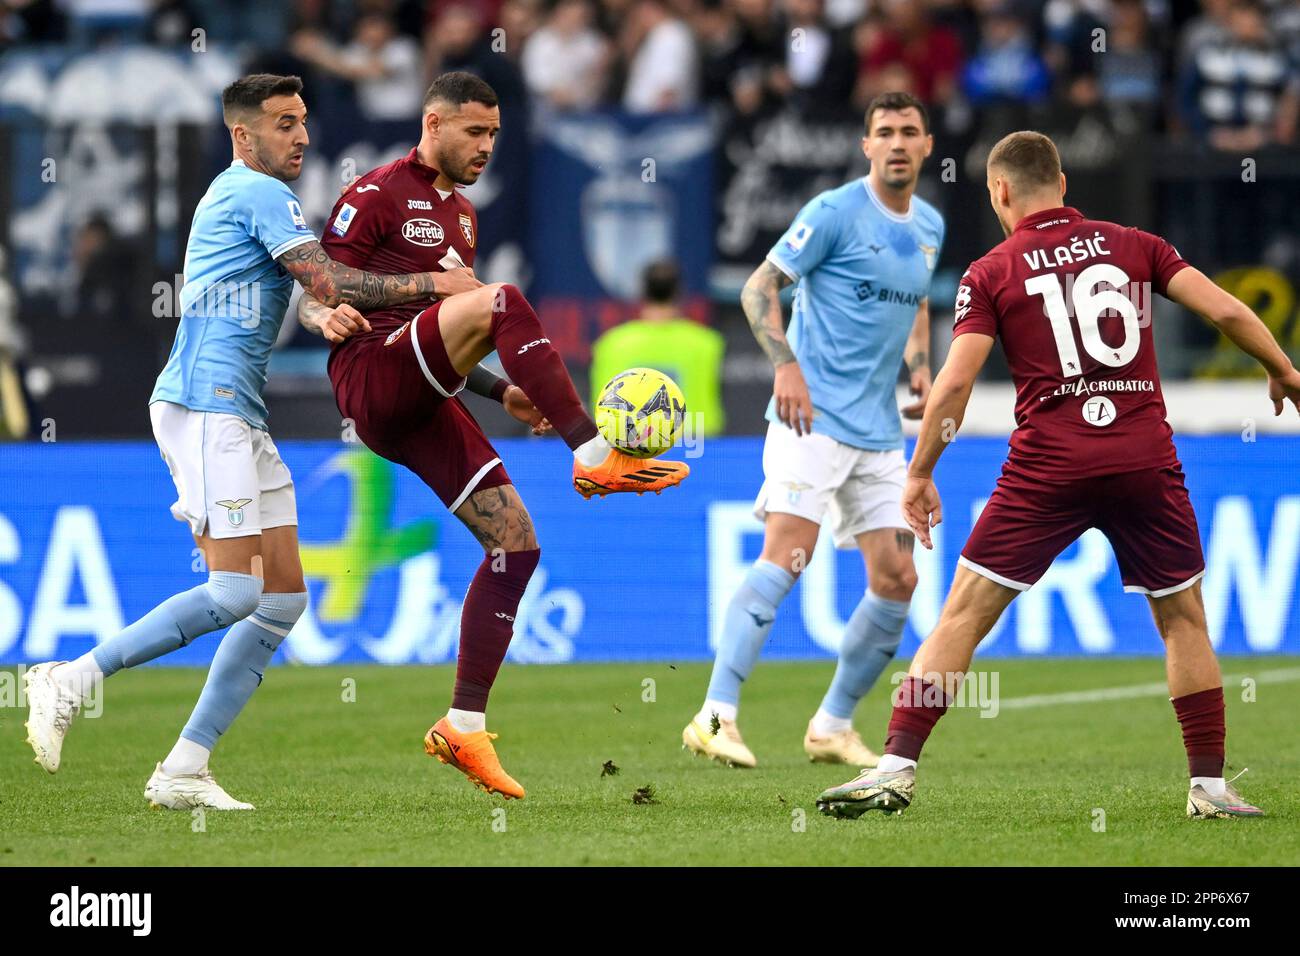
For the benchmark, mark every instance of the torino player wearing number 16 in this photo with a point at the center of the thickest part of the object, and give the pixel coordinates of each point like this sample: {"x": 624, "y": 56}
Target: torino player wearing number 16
{"x": 1091, "y": 449}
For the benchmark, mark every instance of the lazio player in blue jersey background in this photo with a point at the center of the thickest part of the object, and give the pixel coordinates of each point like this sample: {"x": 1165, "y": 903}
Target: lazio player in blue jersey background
{"x": 248, "y": 243}
{"x": 862, "y": 255}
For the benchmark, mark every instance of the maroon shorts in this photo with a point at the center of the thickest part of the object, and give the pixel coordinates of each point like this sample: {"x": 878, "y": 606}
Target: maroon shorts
{"x": 1146, "y": 515}
{"x": 400, "y": 393}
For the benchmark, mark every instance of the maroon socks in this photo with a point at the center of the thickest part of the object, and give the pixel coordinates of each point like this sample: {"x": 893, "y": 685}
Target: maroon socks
{"x": 487, "y": 622}
{"x": 918, "y": 705}
{"x": 1201, "y": 717}
{"x": 535, "y": 366}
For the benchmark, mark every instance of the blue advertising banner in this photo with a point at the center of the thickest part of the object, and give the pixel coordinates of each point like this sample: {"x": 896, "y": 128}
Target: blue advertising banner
{"x": 87, "y": 545}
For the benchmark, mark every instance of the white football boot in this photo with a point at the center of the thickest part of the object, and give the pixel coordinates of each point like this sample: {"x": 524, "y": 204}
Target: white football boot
{"x": 724, "y": 745}
{"x": 188, "y": 792}
{"x": 845, "y": 746}
{"x": 50, "y": 709}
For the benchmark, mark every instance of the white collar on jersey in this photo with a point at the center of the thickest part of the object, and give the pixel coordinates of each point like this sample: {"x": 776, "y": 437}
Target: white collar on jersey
{"x": 889, "y": 213}
{"x": 444, "y": 193}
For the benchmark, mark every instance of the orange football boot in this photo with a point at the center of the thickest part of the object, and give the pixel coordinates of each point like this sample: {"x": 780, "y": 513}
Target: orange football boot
{"x": 474, "y": 756}
{"x": 621, "y": 472}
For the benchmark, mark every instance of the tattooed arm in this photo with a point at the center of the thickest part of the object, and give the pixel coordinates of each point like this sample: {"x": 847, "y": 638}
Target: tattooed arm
{"x": 332, "y": 283}
{"x": 917, "y": 356}
{"x": 335, "y": 324}
{"x": 761, "y": 301}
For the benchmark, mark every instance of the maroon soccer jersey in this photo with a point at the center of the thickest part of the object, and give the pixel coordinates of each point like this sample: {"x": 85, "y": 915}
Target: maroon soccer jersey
{"x": 392, "y": 220}
{"x": 1070, "y": 298}
{"x": 396, "y": 384}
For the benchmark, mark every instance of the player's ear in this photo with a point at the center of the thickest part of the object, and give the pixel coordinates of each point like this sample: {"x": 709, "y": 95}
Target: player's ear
{"x": 929, "y": 144}
{"x": 1063, "y": 184}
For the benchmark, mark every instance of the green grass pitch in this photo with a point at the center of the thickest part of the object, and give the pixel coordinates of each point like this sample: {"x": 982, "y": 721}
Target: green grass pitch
{"x": 347, "y": 783}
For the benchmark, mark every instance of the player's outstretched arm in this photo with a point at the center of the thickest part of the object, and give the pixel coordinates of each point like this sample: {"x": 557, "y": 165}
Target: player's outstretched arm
{"x": 1194, "y": 290}
{"x": 334, "y": 324}
{"x": 761, "y": 301}
{"x": 333, "y": 283}
{"x": 943, "y": 417}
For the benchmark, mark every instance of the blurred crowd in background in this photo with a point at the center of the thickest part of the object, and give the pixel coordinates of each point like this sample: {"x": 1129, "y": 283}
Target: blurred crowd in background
{"x": 1222, "y": 71}
{"x": 1163, "y": 109}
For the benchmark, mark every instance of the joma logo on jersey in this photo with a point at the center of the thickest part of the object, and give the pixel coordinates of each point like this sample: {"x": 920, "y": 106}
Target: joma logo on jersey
{"x": 530, "y": 345}
{"x": 422, "y": 232}
{"x": 418, "y": 204}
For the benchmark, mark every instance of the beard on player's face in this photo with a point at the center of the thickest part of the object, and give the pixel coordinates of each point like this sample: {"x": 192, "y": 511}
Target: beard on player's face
{"x": 460, "y": 170}
{"x": 276, "y": 158}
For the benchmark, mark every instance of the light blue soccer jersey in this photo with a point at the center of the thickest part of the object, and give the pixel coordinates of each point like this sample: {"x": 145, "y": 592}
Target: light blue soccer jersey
{"x": 863, "y": 270}
{"x": 235, "y": 295}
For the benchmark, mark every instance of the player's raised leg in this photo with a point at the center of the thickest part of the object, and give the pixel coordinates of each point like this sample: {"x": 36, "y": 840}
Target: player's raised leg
{"x": 182, "y": 781}
{"x": 974, "y": 605}
{"x": 871, "y": 638}
{"x": 1196, "y": 691}
{"x": 498, "y": 317}
{"x": 498, "y": 519}
{"x": 788, "y": 542}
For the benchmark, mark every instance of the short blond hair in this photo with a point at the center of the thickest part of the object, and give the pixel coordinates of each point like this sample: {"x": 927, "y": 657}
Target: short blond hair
{"x": 1028, "y": 159}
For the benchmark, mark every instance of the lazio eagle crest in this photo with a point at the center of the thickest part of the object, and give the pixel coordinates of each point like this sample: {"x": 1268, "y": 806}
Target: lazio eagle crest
{"x": 235, "y": 510}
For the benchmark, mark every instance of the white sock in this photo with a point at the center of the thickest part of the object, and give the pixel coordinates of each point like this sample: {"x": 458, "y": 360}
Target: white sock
{"x": 1214, "y": 786}
{"x": 78, "y": 676}
{"x": 825, "y": 724}
{"x": 186, "y": 759}
{"x": 724, "y": 711}
{"x": 593, "y": 451}
{"x": 892, "y": 764}
{"x": 467, "y": 721}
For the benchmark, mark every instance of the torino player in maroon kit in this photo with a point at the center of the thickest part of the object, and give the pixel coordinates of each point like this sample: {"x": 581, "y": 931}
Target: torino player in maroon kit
{"x": 1091, "y": 449}
{"x": 396, "y": 373}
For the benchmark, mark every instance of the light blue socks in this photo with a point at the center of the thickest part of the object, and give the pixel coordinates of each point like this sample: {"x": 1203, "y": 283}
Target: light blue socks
{"x": 226, "y": 598}
{"x": 871, "y": 639}
{"x": 749, "y": 619}
{"x": 237, "y": 666}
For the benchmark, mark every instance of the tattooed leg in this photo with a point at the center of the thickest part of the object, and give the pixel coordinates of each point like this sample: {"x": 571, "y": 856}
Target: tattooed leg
{"x": 498, "y": 519}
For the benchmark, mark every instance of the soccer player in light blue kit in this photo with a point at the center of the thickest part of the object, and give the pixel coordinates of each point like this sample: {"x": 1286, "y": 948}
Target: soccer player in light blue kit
{"x": 248, "y": 243}
{"x": 863, "y": 255}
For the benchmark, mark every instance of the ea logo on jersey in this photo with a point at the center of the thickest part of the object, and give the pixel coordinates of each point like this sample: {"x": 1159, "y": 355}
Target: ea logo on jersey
{"x": 422, "y": 232}
{"x": 800, "y": 236}
{"x": 295, "y": 211}
{"x": 343, "y": 219}
{"x": 1099, "y": 410}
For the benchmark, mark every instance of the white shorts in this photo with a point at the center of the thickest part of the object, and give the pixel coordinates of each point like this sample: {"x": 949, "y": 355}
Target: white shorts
{"x": 230, "y": 481}
{"x": 813, "y": 475}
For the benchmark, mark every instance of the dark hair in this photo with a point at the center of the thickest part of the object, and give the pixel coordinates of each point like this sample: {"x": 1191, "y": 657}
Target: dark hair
{"x": 459, "y": 88}
{"x": 660, "y": 280}
{"x": 248, "y": 92}
{"x": 1029, "y": 159}
{"x": 896, "y": 101}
